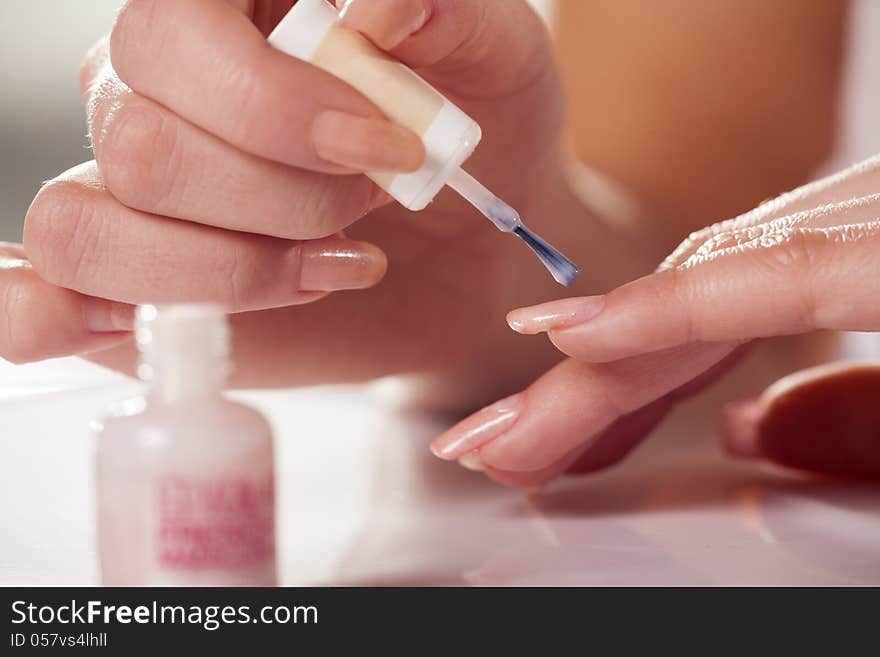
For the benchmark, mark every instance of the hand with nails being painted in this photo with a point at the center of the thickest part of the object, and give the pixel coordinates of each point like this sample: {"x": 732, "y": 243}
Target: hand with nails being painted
{"x": 806, "y": 261}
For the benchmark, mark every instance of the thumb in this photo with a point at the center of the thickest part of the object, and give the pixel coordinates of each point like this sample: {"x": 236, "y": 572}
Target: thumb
{"x": 480, "y": 48}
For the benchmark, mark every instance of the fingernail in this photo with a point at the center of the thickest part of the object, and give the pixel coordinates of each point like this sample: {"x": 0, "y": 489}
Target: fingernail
{"x": 386, "y": 29}
{"x": 325, "y": 267}
{"x": 554, "y": 315}
{"x": 103, "y": 316}
{"x": 471, "y": 461}
{"x": 739, "y": 423}
{"x": 478, "y": 429}
{"x": 373, "y": 145}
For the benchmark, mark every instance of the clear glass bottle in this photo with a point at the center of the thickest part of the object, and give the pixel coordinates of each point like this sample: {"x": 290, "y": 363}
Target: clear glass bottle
{"x": 184, "y": 475}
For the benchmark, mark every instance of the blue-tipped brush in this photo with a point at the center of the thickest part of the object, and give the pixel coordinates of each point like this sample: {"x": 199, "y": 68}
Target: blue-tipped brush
{"x": 507, "y": 220}
{"x": 563, "y": 270}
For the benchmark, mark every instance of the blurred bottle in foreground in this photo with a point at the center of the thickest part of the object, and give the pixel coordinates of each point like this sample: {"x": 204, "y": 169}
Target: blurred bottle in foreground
{"x": 184, "y": 475}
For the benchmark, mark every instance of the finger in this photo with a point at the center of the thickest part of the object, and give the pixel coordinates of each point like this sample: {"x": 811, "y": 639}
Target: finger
{"x": 859, "y": 180}
{"x": 527, "y": 479}
{"x": 79, "y": 237}
{"x": 821, "y": 420}
{"x": 385, "y": 22}
{"x": 620, "y": 438}
{"x": 613, "y": 444}
{"x": 45, "y": 321}
{"x": 181, "y": 52}
{"x": 152, "y": 160}
{"x": 787, "y": 282}
{"x": 570, "y": 406}
{"x": 608, "y": 448}
{"x": 464, "y": 45}
{"x": 265, "y": 14}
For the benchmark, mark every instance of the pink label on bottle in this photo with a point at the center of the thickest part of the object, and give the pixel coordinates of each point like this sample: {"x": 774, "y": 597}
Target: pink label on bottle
{"x": 217, "y": 523}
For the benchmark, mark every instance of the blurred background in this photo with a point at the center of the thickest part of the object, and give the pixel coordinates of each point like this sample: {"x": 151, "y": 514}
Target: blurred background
{"x": 42, "y": 131}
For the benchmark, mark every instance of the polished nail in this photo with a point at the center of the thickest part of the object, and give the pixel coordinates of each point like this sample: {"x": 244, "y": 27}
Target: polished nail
{"x": 325, "y": 267}
{"x": 555, "y": 315}
{"x": 370, "y": 145}
{"x": 386, "y": 26}
{"x": 478, "y": 429}
{"x": 471, "y": 461}
{"x": 103, "y": 316}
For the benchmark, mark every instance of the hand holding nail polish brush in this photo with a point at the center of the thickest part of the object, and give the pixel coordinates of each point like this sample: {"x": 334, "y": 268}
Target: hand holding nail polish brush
{"x": 311, "y": 32}
{"x": 267, "y": 209}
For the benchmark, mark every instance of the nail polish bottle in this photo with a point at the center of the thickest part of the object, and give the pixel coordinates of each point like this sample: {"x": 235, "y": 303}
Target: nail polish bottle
{"x": 184, "y": 475}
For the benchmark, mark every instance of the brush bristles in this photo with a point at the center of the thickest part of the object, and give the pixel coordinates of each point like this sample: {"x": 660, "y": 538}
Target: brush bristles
{"x": 563, "y": 270}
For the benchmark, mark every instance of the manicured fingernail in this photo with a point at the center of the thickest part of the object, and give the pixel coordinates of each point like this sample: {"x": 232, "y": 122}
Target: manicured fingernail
{"x": 384, "y": 27}
{"x": 478, "y": 429}
{"x": 103, "y": 316}
{"x": 554, "y": 315}
{"x": 325, "y": 267}
{"x": 372, "y": 145}
{"x": 739, "y": 428}
{"x": 471, "y": 461}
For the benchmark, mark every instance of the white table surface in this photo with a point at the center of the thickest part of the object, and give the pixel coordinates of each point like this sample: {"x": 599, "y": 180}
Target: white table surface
{"x": 364, "y": 503}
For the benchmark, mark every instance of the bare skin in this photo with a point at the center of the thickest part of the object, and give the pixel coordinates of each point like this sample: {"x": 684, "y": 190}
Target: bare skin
{"x": 187, "y": 178}
{"x": 252, "y": 199}
{"x": 806, "y": 261}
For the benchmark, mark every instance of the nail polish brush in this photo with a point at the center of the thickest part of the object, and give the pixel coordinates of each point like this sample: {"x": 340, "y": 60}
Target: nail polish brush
{"x": 507, "y": 220}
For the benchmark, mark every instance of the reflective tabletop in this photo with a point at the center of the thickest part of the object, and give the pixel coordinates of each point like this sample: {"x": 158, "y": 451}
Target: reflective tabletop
{"x": 362, "y": 502}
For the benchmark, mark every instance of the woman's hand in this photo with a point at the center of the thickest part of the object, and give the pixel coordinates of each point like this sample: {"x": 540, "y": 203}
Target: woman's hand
{"x": 805, "y": 261}
{"x": 225, "y": 170}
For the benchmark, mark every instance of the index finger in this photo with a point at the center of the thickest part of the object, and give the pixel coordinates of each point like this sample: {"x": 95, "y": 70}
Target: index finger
{"x": 570, "y": 406}
{"x": 207, "y": 62}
